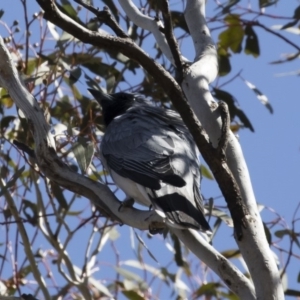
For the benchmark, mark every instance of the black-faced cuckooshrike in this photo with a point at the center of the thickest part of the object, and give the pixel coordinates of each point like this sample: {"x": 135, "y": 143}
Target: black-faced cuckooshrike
{"x": 152, "y": 157}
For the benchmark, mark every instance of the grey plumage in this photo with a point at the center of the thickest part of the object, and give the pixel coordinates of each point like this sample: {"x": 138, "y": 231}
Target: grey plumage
{"x": 152, "y": 157}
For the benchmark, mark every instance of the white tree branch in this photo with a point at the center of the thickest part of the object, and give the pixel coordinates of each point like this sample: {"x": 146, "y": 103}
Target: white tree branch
{"x": 253, "y": 245}
{"x": 233, "y": 277}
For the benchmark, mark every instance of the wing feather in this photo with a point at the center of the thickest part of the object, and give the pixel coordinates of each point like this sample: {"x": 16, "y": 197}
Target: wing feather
{"x": 143, "y": 142}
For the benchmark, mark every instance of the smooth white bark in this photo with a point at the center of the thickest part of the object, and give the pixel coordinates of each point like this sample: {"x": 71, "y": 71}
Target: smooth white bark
{"x": 253, "y": 246}
{"x": 230, "y": 274}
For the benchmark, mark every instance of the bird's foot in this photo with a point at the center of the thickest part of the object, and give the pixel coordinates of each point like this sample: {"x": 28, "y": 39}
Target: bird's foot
{"x": 156, "y": 227}
{"x": 126, "y": 203}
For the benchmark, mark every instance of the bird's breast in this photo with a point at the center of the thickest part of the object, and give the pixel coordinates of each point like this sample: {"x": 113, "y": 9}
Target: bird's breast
{"x": 131, "y": 189}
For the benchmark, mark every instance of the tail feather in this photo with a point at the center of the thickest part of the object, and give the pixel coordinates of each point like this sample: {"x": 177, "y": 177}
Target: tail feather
{"x": 181, "y": 211}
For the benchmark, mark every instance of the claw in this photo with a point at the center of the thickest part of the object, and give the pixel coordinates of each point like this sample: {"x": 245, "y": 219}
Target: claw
{"x": 126, "y": 203}
{"x": 155, "y": 228}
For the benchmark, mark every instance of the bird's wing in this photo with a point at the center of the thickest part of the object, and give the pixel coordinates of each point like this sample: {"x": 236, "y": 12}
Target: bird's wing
{"x": 147, "y": 146}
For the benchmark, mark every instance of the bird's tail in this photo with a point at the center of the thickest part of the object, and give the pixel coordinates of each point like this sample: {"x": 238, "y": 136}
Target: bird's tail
{"x": 179, "y": 211}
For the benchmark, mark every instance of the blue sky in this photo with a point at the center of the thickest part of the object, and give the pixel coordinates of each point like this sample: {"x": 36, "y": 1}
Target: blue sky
{"x": 272, "y": 151}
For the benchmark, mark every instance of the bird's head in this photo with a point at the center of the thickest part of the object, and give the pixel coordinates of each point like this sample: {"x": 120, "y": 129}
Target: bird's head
{"x": 116, "y": 104}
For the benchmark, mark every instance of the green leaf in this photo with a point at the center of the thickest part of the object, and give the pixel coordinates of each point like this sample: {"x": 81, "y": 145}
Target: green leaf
{"x": 224, "y": 62}
{"x": 297, "y": 13}
{"x": 284, "y": 281}
{"x": 30, "y": 211}
{"x": 229, "y": 296}
{"x": 282, "y": 233}
{"x": 51, "y": 58}
{"x": 209, "y": 289}
{"x": 267, "y": 233}
{"x": 289, "y": 24}
{"x": 293, "y": 293}
{"x": 68, "y": 9}
{"x": 64, "y": 38}
{"x": 59, "y": 195}
{"x": 79, "y": 150}
{"x": 31, "y": 65}
{"x": 233, "y": 109}
{"x": 12, "y": 181}
{"x": 232, "y": 253}
{"x": 244, "y": 119}
{"x": 223, "y": 216}
{"x": 128, "y": 274}
{"x": 252, "y": 44}
{"x": 110, "y": 84}
{"x": 178, "y": 20}
{"x": 132, "y": 295}
{"x": 89, "y": 153}
{"x": 233, "y": 36}
{"x": 63, "y": 109}
{"x": 206, "y": 172}
{"x": 5, "y": 98}
{"x": 74, "y": 75}
{"x": 229, "y": 4}
{"x": 4, "y": 123}
{"x": 265, "y": 3}
{"x": 100, "y": 287}
{"x": 169, "y": 275}
{"x": 102, "y": 69}
{"x": 84, "y": 153}
{"x": 178, "y": 253}
{"x": 260, "y": 96}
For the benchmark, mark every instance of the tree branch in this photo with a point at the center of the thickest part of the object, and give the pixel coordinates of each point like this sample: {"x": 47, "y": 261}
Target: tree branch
{"x": 105, "y": 17}
{"x": 233, "y": 278}
{"x": 171, "y": 38}
{"x": 151, "y": 25}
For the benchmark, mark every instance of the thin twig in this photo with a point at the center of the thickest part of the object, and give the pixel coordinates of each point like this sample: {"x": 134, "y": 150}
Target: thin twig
{"x": 256, "y": 23}
{"x": 104, "y": 16}
{"x": 169, "y": 34}
{"x": 25, "y": 240}
{"x": 24, "y": 3}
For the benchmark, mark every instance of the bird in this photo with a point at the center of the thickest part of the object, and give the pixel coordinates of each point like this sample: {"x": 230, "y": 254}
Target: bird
{"x": 151, "y": 155}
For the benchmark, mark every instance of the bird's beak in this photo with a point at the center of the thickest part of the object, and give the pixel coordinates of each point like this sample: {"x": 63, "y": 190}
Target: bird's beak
{"x": 100, "y": 96}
